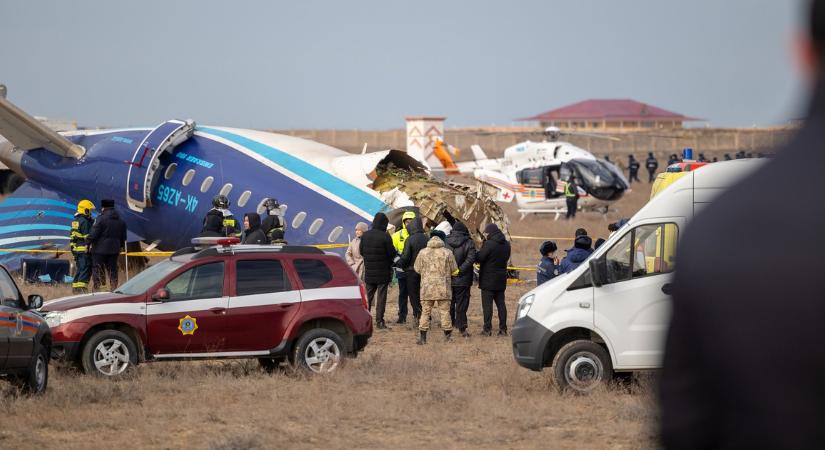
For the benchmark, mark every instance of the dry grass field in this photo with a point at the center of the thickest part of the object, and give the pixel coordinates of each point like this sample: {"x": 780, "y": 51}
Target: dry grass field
{"x": 465, "y": 394}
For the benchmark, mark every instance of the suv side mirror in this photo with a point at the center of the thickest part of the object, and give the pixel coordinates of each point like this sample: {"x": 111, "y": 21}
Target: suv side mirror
{"x": 598, "y": 271}
{"x": 34, "y": 302}
{"x": 161, "y": 295}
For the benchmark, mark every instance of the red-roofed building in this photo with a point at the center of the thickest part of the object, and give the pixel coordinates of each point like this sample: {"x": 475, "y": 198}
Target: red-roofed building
{"x": 610, "y": 115}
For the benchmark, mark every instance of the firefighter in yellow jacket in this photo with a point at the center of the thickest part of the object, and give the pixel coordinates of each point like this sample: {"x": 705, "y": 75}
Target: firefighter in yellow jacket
{"x": 436, "y": 265}
{"x": 81, "y": 227}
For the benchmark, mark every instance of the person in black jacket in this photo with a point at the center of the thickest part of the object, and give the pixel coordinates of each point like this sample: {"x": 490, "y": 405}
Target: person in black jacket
{"x": 414, "y": 243}
{"x": 379, "y": 255}
{"x": 219, "y": 221}
{"x": 651, "y": 164}
{"x": 744, "y": 357}
{"x": 253, "y": 234}
{"x": 273, "y": 222}
{"x": 492, "y": 278}
{"x": 107, "y": 239}
{"x": 632, "y": 169}
{"x": 464, "y": 251}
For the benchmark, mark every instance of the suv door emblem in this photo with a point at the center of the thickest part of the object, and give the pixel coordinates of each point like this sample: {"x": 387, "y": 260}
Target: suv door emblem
{"x": 188, "y": 325}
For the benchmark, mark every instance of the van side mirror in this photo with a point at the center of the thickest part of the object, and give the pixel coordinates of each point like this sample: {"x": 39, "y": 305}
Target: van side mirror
{"x": 598, "y": 271}
{"x": 34, "y": 302}
{"x": 160, "y": 295}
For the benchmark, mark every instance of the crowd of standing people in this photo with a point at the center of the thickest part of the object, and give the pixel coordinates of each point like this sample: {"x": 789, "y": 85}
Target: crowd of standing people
{"x": 434, "y": 269}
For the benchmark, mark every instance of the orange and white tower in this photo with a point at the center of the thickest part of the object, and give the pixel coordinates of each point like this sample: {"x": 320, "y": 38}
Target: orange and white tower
{"x": 422, "y": 134}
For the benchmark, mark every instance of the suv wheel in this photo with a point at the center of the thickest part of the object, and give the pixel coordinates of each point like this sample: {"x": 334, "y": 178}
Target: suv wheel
{"x": 318, "y": 351}
{"x": 580, "y": 366}
{"x": 108, "y": 353}
{"x": 35, "y": 379}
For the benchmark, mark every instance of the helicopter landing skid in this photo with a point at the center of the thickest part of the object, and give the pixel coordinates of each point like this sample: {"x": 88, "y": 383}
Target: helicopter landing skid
{"x": 557, "y": 211}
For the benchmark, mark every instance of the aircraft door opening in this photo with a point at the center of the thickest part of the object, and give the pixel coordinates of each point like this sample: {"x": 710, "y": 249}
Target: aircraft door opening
{"x": 143, "y": 168}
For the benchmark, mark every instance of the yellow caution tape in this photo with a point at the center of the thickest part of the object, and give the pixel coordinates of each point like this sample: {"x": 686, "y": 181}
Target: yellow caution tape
{"x": 17, "y": 250}
{"x": 148, "y": 253}
{"x": 322, "y": 246}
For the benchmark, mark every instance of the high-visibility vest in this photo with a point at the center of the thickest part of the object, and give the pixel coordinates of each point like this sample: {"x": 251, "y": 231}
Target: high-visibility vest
{"x": 570, "y": 193}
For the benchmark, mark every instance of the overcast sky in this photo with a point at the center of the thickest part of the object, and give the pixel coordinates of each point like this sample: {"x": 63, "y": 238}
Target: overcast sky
{"x": 367, "y": 64}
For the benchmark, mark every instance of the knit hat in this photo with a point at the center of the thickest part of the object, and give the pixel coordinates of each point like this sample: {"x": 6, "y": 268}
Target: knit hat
{"x": 583, "y": 242}
{"x": 438, "y": 233}
{"x": 491, "y": 228}
{"x": 548, "y": 247}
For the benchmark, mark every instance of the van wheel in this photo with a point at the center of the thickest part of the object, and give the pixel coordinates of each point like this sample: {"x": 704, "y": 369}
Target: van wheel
{"x": 318, "y": 351}
{"x": 580, "y": 366}
{"x": 108, "y": 353}
{"x": 36, "y": 378}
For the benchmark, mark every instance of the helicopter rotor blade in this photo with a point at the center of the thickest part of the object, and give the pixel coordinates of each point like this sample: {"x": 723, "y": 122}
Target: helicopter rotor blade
{"x": 591, "y": 135}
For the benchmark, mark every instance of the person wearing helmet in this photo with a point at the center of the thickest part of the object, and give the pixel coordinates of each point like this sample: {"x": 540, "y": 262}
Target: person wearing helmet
{"x": 81, "y": 227}
{"x": 273, "y": 223}
{"x": 398, "y": 239}
{"x": 219, "y": 221}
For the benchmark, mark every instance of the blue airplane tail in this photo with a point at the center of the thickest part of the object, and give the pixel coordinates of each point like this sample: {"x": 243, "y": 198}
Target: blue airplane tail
{"x": 34, "y": 218}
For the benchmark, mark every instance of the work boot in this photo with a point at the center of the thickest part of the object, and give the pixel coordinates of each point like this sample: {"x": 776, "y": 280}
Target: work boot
{"x": 381, "y": 325}
{"x": 465, "y": 334}
{"x": 401, "y": 320}
{"x": 422, "y": 338}
{"x": 486, "y": 333}
{"x": 502, "y": 332}
{"x": 448, "y": 335}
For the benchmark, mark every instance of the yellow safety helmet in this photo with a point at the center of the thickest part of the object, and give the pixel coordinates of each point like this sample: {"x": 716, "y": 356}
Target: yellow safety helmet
{"x": 85, "y": 207}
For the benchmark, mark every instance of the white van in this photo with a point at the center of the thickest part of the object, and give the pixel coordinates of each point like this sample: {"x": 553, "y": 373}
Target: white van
{"x": 610, "y": 315}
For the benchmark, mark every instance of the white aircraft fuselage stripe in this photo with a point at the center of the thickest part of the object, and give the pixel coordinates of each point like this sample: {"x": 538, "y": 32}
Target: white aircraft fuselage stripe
{"x": 286, "y": 173}
{"x": 189, "y": 306}
{"x": 15, "y": 240}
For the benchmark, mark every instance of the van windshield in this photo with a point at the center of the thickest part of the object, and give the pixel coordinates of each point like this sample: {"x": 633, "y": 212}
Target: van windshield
{"x": 146, "y": 279}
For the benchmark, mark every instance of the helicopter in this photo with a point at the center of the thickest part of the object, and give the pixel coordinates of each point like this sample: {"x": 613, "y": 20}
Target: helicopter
{"x": 534, "y": 174}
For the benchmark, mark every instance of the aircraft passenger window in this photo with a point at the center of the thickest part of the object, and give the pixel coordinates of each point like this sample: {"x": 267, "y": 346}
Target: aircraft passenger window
{"x": 335, "y": 234}
{"x": 170, "y": 171}
{"x": 315, "y": 226}
{"x": 299, "y": 219}
{"x": 618, "y": 260}
{"x": 244, "y": 198}
{"x": 204, "y": 281}
{"x": 226, "y": 189}
{"x": 207, "y": 183}
{"x": 261, "y": 276}
{"x": 312, "y": 272}
{"x": 260, "y": 209}
{"x": 187, "y": 177}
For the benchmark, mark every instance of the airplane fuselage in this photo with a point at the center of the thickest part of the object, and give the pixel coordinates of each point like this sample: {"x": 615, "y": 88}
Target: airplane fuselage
{"x": 321, "y": 207}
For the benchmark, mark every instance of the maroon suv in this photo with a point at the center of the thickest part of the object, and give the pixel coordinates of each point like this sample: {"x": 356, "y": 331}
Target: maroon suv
{"x": 232, "y": 301}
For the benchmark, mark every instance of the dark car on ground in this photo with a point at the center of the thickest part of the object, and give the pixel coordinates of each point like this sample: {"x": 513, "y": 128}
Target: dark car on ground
{"x": 273, "y": 303}
{"x": 25, "y": 339}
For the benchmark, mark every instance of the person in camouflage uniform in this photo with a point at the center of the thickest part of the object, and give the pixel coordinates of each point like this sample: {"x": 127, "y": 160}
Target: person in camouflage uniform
{"x": 436, "y": 265}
